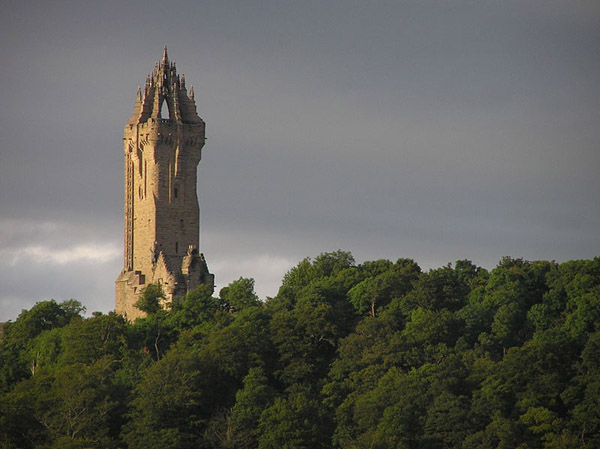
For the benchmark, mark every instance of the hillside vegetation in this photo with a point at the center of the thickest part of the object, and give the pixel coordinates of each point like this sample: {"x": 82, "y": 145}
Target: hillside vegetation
{"x": 371, "y": 355}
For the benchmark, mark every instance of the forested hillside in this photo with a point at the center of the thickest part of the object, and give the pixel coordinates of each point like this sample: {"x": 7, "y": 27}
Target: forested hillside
{"x": 371, "y": 355}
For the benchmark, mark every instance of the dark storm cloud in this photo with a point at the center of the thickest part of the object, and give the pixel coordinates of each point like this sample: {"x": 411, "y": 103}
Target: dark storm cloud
{"x": 433, "y": 130}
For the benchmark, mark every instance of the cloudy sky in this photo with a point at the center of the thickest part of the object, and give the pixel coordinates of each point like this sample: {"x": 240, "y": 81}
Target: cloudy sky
{"x": 434, "y": 130}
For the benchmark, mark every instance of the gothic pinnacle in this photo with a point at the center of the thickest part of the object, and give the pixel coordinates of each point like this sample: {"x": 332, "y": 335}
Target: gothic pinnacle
{"x": 165, "y": 58}
{"x": 192, "y": 93}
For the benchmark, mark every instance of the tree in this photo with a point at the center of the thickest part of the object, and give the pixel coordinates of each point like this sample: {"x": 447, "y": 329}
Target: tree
{"x": 383, "y": 285}
{"x": 242, "y": 344}
{"x": 393, "y": 413}
{"x": 239, "y": 295}
{"x": 150, "y": 300}
{"x": 251, "y": 400}
{"x": 294, "y": 422}
{"x": 196, "y": 308}
{"x": 584, "y": 397}
{"x": 238, "y": 427}
{"x": 447, "y": 423}
{"x": 16, "y": 358}
{"x": 168, "y": 409}
{"x": 89, "y": 340}
{"x": 18, "y": 427}
{"x": 324, "y": 265}
{"x": 73, "y": 404}
{"x": 157, "y": 334}
{"x": 306, "y": 340}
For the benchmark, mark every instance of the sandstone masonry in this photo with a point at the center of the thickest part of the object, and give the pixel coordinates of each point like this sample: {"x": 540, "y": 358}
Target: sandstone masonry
{"x": 163, "y": 143}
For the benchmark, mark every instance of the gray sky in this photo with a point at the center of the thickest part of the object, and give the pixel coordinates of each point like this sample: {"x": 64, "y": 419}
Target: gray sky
{"x": 434, "y": 130}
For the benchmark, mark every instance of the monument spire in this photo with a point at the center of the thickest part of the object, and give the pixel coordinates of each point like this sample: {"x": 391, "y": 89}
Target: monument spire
{"x": 164, "y": 86}
{"x": 162, "y": 216}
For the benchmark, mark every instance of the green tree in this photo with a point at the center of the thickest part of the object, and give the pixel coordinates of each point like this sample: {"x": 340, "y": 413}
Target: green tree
{"x": 17, "y": 359}
{"x": 18, "y": 427}
{"x": 242, "y": 344}
{"x": 239, "y": 295}
{"x": 584, "y": 396}
{"x": 168, "y": 409}
{"x": 196, "y": 308}
{"x": 294, "y": 422}
{"x": 250, "y": 401}
{"x": 306, "y": 340}
{"x": 89, "y": 340}
{"x": 238, "y": 427}
{"x": 154, "y": 330}
{"x": 74, "y": 404}
{"x": 324, "y": 265}
{"x": 151, "y": 298}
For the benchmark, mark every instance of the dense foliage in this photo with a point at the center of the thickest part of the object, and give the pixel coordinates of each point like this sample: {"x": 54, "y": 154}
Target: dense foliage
{"x": 371, "y": 355}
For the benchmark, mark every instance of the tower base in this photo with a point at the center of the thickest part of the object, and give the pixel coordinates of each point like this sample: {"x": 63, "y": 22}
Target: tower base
{"x": 176, "y": 276}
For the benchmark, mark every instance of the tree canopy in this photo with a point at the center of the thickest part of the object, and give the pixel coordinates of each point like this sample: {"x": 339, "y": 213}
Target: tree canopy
{"x": 348, "y": 355}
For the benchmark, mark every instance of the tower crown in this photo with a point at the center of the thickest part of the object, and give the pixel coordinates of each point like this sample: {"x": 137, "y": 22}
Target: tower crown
{"x": 164, "y": 87}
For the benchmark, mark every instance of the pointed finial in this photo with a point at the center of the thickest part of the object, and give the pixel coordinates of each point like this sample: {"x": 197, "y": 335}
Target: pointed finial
{"x": 192, "y": 93}
{"x": 183, "y": 80}
{"x": 139, "y": 93}
{"x": 165, "y": 58}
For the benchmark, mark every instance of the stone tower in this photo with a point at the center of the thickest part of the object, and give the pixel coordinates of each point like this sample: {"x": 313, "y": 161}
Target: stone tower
{"x": 163, "y": 146}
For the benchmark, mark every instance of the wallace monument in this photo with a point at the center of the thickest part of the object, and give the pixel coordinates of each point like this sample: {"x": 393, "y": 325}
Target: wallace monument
{"x": 163, "y": 143}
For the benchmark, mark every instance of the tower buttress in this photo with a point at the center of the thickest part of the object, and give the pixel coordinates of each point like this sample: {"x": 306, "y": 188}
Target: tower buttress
{"x": 162, "y": 216}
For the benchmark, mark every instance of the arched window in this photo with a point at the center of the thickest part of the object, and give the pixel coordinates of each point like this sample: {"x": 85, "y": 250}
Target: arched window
{"x": 164, "y": 110}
